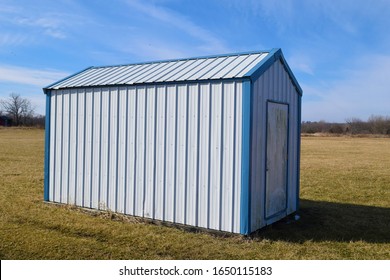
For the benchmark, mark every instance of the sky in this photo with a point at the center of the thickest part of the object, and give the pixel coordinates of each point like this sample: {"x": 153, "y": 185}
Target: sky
{"x": 339, "y": 51}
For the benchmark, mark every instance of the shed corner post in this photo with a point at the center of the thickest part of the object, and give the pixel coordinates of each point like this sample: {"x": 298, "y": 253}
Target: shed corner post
{"x": 245, "y": 209}
{"x": 299, "y": 150}
{"x": 47, "y": 147}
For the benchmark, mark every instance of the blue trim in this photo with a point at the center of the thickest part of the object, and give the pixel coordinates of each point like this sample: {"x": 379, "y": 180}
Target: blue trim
{"x": 264, "y": 64}
{"x": 245, "y": 159}
{"x": 298, "y": 150}
{"x": 47, "y": 148}
{"x": 175, "y": 156}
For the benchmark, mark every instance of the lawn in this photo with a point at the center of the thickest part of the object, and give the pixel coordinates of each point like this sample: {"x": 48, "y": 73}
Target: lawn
{"x": 344, "y": 214}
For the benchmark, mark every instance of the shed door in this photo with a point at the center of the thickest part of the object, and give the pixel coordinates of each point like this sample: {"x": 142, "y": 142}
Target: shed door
{"x": 276, "y": 160}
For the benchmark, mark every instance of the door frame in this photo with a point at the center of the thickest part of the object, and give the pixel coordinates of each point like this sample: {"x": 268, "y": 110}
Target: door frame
{"x": 275, "y": 215}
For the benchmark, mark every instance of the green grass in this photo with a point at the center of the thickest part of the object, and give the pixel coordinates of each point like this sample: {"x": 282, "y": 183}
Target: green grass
{"x": 345, "y": 212}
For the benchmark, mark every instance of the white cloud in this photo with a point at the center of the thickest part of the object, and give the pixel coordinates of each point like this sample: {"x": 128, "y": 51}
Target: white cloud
{"x": 363, "y": 90}
{"x": 27, "y": 76}
{"x": 301, "y": 62}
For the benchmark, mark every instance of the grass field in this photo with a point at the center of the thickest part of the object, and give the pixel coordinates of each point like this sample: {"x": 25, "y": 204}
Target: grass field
{"x": 345, "y": 212}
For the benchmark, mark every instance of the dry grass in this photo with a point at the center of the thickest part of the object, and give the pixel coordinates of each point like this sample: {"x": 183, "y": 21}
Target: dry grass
{"x": 345, "y": 214}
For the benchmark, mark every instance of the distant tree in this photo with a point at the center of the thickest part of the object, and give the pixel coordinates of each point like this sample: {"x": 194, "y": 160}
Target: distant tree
{"x": 357, "y": 126}
{"x": 379, "y": 124}
{"x": 336, "y": 128}
{"x": 18, "y": 108}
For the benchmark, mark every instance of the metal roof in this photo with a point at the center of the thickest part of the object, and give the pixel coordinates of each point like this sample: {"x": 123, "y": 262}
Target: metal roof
{"x": 228, "y": 66}
{"x": 191, "y": 69}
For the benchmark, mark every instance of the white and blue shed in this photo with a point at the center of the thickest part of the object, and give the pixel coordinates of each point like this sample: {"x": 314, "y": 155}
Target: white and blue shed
{"x": 210, "y": 142}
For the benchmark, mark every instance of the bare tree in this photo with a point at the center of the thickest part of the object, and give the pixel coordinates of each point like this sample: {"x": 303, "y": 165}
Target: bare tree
{"x": 379, "y": 124}
{"x": 18, "y": 108}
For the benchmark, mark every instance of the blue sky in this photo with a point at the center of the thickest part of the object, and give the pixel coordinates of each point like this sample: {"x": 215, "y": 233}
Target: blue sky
{"x": 339, "y": 50}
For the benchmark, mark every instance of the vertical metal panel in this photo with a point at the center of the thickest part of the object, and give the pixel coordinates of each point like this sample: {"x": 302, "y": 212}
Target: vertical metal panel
{"x": 80, "y": 147}
{"x": 181, "y": 154}
{"x": 160, "y": 153}
{"x": 140, "y": 151}
{"x": 227, "y": 157}
{"x": 58, "y": 149}
{"x": 131, "y": 150}
{"x": 104, "y": 162}
{"x": 192, "y": 154}
{"x": 72, "y": 148}
{"x": 245, "y": 226}
{"x": 150, "y": 152}
{"x": 170, "y": 137}
{"x": 215, "y": 155}
{"x": 237, "y": 163}
{"x": 121, "y": 150}
{"x": 112, "y": 149}
{"x": 88, "y": 156}
{"x": 65, "y": 148}
{"x": 204, "y": 157}
{"x": 96, "y": 150}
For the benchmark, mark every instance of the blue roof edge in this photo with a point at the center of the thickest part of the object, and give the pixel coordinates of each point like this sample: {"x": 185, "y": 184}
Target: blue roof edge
{"x": 264, "y": 64}
{"x": 46, "y": 88}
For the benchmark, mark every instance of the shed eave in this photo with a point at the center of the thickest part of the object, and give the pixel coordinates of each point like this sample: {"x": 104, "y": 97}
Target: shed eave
{"x": 52, "y": 85}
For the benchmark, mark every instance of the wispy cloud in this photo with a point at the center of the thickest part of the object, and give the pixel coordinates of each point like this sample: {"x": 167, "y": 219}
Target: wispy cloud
{"x": 302, "y": 62}
{"x": 51, "y": 25}
{"x": 209, "y": 42}
{"x": 15, "y": 39}
{"x": 28, "y": 76}
{"x": 51, "y": 21}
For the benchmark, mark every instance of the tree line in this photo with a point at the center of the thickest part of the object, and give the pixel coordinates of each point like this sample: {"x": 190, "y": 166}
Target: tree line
{"x": 19, "y": 111}
{"x": 374, "y": 125}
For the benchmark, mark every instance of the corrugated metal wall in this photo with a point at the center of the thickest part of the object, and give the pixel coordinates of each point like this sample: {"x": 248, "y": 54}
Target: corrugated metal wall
{"x": 274, "y": 85}
{"x": 166, "y": 152}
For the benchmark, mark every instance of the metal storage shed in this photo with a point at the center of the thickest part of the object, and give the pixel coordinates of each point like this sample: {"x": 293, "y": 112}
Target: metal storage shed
{"x": 211, "y": 142}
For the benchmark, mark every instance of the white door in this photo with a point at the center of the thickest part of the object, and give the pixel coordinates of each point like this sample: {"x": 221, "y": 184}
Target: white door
{"x": 276, "y": 160}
